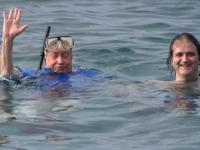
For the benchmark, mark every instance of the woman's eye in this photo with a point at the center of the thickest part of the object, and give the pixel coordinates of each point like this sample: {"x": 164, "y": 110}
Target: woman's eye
{"x": 65, "y": 54}
{"x": 53, "y": 55}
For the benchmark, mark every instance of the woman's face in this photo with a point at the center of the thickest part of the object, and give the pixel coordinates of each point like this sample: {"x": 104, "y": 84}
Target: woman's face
{"x": 60, "y": 61}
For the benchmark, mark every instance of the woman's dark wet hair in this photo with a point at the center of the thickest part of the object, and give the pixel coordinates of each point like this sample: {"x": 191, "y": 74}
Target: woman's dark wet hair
{"x": 186, "y": 36}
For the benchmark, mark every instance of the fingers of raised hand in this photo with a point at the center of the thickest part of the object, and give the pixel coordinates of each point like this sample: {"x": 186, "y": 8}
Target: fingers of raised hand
{"x": 18, "y": 14}
{"x": 12, "y": 14}
{"x": 22, "y": 28}
{"x": 5, "y": 15}
{"x": 15, "y": 12}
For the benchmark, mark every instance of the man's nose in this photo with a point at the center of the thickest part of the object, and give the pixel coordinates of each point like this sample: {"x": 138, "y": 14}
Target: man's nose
{"x": 185, "y": 57}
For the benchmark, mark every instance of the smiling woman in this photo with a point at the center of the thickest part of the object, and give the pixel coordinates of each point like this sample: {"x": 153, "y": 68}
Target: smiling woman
{"x": 184, "y": 55}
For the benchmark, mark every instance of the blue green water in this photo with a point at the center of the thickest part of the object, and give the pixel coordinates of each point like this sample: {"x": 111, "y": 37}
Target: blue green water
{"x": 127, "y": 39}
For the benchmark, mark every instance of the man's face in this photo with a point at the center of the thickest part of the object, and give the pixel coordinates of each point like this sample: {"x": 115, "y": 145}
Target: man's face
{"x": 185, "y": 59}
{"x": 59, "y": 61}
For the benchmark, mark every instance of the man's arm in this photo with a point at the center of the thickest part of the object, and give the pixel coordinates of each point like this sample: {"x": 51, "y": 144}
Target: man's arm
{"x": 11, "y": 29}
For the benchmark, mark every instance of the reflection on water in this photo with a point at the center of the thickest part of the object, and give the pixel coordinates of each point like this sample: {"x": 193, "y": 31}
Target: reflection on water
{"x": 6, "y": 106}
{"x": 184, "y": 96}
{"x": 142, "y": 112}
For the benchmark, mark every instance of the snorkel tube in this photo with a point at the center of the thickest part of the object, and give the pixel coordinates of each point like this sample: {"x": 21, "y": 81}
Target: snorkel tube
{"x": 43, "y": 48}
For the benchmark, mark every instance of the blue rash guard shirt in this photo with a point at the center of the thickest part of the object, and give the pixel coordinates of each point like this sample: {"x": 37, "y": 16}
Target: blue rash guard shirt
{"x": 46, "y": 78}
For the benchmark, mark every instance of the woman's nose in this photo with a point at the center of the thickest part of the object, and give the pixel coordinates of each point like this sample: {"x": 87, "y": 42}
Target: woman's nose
{"x": 60, "y": 59}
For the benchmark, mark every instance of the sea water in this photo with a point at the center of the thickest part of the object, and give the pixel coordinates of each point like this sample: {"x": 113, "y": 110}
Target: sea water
{"x": 125, "y": 39}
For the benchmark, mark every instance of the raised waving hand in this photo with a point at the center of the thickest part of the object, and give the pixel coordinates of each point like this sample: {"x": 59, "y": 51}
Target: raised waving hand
{"x": 11, "y": 23}
{"x": 11, "y": 29}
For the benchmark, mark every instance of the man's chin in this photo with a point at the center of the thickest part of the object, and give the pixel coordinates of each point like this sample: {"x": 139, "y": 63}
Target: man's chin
{"x": 188, "y": 72}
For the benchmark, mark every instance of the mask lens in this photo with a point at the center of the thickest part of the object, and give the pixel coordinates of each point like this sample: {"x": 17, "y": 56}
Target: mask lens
{"x": 51, "y": 43}
{"x": 67, "y": 42}
{"x": 54, "y": 43}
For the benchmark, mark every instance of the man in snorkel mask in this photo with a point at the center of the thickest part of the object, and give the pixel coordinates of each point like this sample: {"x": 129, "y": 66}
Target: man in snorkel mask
{"x": 57, "y": 50}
